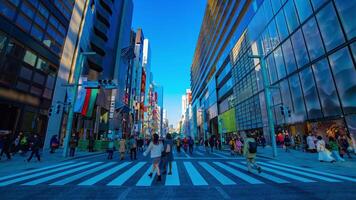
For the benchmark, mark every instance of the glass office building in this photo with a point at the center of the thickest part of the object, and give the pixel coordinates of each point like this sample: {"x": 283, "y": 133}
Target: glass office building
{"x": 32, "y": 34}
{"x": 309, "y": 50}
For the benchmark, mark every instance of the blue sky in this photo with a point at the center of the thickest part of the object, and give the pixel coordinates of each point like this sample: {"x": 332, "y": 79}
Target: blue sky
{"x": 172, "y": 26}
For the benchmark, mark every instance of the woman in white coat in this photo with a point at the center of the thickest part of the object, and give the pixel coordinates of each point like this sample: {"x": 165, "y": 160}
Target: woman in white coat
{"x": 324, "y": 153}
{"x": 155, "y": 148}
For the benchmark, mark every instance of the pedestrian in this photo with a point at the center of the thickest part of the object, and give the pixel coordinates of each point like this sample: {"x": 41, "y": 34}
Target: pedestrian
{"x": 206, "y": 144}
{"x": 91, "y": 143}
{"x": 16, "y": 144}
{"x": 122, "y": 148}
{"x": 250, "y": 150}
{"x": 297, "y": 141}
{"x": 72, "y": 145}
{"x": 335, "y": 149}
{"x": 179, "y": 144}
{"x": 155, "y": 149}
{"x": 54, "y": 144}
{"x": 211, "y": 143}
{"x": 191, "y": 145}
{"x": 132, "y": 145}
{"x": 6, "y": 144}
{"x": 111, "y": 148}
{"x": 185, "y": 144}
{"x": 232, "y": 145}
{"x": 311, "y": 143}
{"x": 35, "y": 145}
{"x": 263, "y": 141}
{"x": 287, "y": 142}
{"x": 168, "y": 146}
{"x": 324, "y": 155}
{"x": 344, "y": 146}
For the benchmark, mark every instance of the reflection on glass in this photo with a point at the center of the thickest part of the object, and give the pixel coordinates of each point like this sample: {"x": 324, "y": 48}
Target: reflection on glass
{"x": 276, "y": 5}
{"x": 304, "y": 9}
{"x": 310, "y": 94}
{"x": 286, "y": 97}
{"x": 278, "y": 57}
{"x": 313, "y": 40}
{"x": 271, "y": 69}
{"x": 353, "y": 47}
{"x": 345, "y": 78}
{"x": 273, "y": 34}
{"x": 326, "y": 87}
{"x": 282, "y": 26}
{"x": 347, "y": 14}
{"x": 300, "y": 50}
{"x": 328, "y": 21}
{"x": 291, "y": 16}
{"x": 289, "y": 56}
{"x": 317, "y": 3}
{"x": 298, "y": 114}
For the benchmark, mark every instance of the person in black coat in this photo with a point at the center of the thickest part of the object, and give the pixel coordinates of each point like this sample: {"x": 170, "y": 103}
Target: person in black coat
{"x": 6, "y": 146}
{"x": 35, "y": 145}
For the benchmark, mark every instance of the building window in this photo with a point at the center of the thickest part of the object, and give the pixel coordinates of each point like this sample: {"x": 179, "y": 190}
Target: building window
{"x": 7, "y": 10}
{"x": 273, "y": 34}
{"x": 36, "y": 91}
{"x": 43, "y": 10}
{"x": 30, "y": 58}
{"x": 326, "y": 87}
{"x": 271, "y": 66}
{"x": 304, "y": 9}
{"x": 276, "y": 5}
{"x": 278, "y": 57}
{"x": 289, "y": 56}
{"x": 22, "y": 86}
{"x": 328, "y": 21}
{"x": 317, "y": 3}
{"x": 27, "y": 10}
{"x": 3, "y": 40}
{"x": 282, "y": 26}
{"x": 291, "y": 16}
{"x": 298, "y": 114}
{"x": 24, "y": 22}
{"x": 353, "y": 47}
{"x": 26, "y": 73}
{"x": 300, "y": 50}
{"x": 41, "y": 21}
{"x": 347, "y": 13}
{"x": 37, "y": 32}
{"x": 39, "y": 78}
{"x": 310, "y": 94}
{"x": 15, "y": 50}
{"x": 345, "y": 78}
{"x": 313, "y": 39}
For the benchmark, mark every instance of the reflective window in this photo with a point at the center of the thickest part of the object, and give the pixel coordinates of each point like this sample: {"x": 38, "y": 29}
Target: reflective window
{"x": 327, "y": 20}
{"x": 39, "y": 78}
{"x": 267, "y": 10}
{"x": 27, "y": 9}
{"x": 26, "y": 73}
{"x": 7, "y": 10}
{"x": 298, "y": 114}
{"x": 22, "y": 86}
{"x": 15, "y": 50}
{"x": 289, "y": 56}
{"x": 271, "y": 69}
{"x": 276, "y": 5}
{"x": 30, "y": 58}
{"x": 326, "y": 88}
{"x": 282, "y": 26}
{"x": 310, "y": 94}
{"x": 317, "y": 3}
{"x": 278, "y": 57}
{"x": 353, "y": 47}
{"x": 286, "y": 97}
{"x": 313, "y": 40}
{"x": 300, "y": 50}
{"x": 277, "y": 100}
{"x": 347, "y": 13}
{"x": 50, "y": 82}
{"x": 273, "y": 34}
{"x": 345, "y": 78}
{"x": 3, "y": 40}
{"x": 41, "y": 21}
{"x": 291, "y": 16}
{"x": 304, "y": 9}
{"x": 43, "y": 10}
{"x": 15, "y": 2}
{"x": 37, "y": 32}
{"x": 23, "y": 22}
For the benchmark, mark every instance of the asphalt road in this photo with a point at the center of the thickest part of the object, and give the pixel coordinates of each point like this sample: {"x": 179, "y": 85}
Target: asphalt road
{"x": 197, "y": 176}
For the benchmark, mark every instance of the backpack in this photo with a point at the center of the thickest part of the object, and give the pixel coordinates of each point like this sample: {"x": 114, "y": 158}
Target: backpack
{"x": 252, "y": 147}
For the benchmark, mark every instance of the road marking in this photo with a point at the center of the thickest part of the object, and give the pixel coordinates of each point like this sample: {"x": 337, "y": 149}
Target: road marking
{"x": 300, "y": 173}
{"x": 219, "y": 176}
{"x": 186, "y": 154}
{"x": 39, "y": 174}
{"x": 219, "y": 155}
{"x": 35, "y": 170}
{"x": 173, "y": 180}
{"x": 81, "y": 175}
{"x": 48, "y": 178}
{"x": 243, "y": 176}
{"x": 194, "y": 175}
{"x": 264, "y": 175}
{"x": 145, "y": 180}
{"x": 125, "y": 176}
{"x": 317, "y": 172}
{"x": 103, "y": 175}
{"x": 200, "y": 154}
{"x": 223, "y": 194}
{"x": 291, "y": 176}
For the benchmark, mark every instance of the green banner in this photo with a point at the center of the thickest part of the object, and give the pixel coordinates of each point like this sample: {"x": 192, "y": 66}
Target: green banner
{"x": 227, "y": 121}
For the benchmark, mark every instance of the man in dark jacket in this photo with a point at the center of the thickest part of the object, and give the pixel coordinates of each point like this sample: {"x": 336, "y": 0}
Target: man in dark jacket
{"x": 6, "y": 147}
{"x": 35, "y": 145}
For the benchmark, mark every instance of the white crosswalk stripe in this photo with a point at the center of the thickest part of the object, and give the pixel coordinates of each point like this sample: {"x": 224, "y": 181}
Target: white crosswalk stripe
{"x": 199, "y": 173}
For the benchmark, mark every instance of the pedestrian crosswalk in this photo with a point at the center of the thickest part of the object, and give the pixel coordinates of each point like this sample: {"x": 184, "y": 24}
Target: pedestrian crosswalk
{"x": 198, "y": 173}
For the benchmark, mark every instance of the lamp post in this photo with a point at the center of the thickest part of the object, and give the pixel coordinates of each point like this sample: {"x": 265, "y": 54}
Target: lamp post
{"x": 77, "y": 72}
{"x": 268, "y": 97}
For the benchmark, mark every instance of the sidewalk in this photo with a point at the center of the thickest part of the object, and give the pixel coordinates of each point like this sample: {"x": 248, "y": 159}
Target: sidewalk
{"x": 310, "y": 160}
{"x": 19, "y": 163}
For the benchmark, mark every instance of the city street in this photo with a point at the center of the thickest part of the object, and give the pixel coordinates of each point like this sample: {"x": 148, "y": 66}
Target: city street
{"x": 197, "y": 176}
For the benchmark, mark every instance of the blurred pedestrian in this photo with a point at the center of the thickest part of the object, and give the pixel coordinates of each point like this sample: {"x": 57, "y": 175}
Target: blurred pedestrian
{"x": 122, "y": 148}
{"x": 178, "y": 144}
{"x": 232, "y": 145}
{"x": 344, "y": 146}
{"x": 191, "y": 145}
{"x": 311, "y": 143}
{"x": 335, "y": 149}
{"x": 6, "y": 144}
{"x": 35, "y": 145}
{"x": 206, "y": 144}
{"x": 111, "y": 148}
{"x": 155, "y": 148}
{"x": 54, "y": 144}
{"x": 263, "y": 141}
{"x": 168, "y": 147}
{"x": 72, "y": 145}
{"x": 91, "y": 143}
{"x": 239, "y": 145}
{"x": 324, "y": 155}
{"x": 287, "y": 142}
{"x": 132, "y": 145}
{"x": 250, "y": 150}
{"x": 211, "y": 143}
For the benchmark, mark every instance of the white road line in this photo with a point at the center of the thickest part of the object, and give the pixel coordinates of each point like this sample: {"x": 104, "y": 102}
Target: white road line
{"x": 221, "y": 156}
{"x": 48, "y": 178}
{"x": 316, "y": 172}
{"x": 173, "y": 180}
{"x": 126, "y": 175}
{"x": 218, "y": 175}
{"x": 40, "y": 174}
{"x": 239, "y": 174}
{"x": 145, "y": 180}
{"x": 105, "y": 174}
{"x": 186, "y": 154}
{"x": 194, "y": 175}
{"x": 262, "y": 174}
{"x": 83, "y": 174}
{"x": 300, "y": 173}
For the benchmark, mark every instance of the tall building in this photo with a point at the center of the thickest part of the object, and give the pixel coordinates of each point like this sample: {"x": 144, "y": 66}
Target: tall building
{"x": 34, "y": 37}
{"x": 311, "y": 69}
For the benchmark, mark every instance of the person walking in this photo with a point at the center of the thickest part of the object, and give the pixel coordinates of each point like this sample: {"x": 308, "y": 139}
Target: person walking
{"x": 211, "y": 143}
{"x": 155, "y": 148}
{"x": 206, "y": 144}
{"x": 311, "y": 143}
{"x": 168, "y": 146}
{"x": 178, "y": 144}
{"x": 35, "y": 145}
{"x": 232, "y": 145}
{"x": 324, "y": 155}
{"x": 238, "y": 146}
{"x": 122, "y": 148}
{"x": 133, "y": 147}
{"x": 263, "y": 141}
{"x": 91, "y": 143}
{"x": 54, "y": 143}
{"x": 297, "y": 141}
{"x": 250, "y": 150}
{"x": 185, "y": 144}
{"x": 287, "y": 142}
{"x": 6, "y": 146}
{"x": 111, "y": 148}
{"x": 72, "y": 145}
{"x": 335, "y": 149}
{"x": 344, "y": 146}
{"x": 191, "y": 145}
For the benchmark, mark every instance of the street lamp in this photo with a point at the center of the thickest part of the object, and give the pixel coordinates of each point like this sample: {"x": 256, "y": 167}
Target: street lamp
{"x": 77, "y": 72}
{"x": 268, "y": 97}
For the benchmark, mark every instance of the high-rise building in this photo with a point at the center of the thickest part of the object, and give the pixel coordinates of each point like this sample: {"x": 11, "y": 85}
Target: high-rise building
{"x": 34, "y": 38}
{"x": 311, "y": 69}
